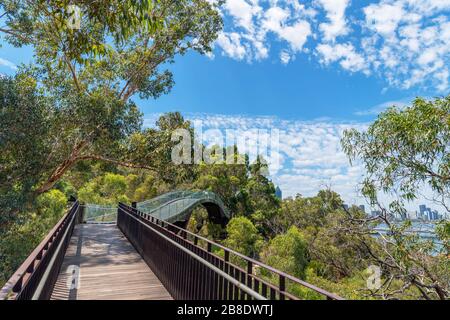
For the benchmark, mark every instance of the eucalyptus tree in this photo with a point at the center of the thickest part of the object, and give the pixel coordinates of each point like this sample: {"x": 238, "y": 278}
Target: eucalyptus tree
{"x": 405, "y": 151}
{"x": 90, "y": 75}
{"x": 23, "y": 129}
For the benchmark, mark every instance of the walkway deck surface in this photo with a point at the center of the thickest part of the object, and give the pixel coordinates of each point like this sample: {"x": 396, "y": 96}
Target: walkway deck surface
{"x": 110, "y": 268}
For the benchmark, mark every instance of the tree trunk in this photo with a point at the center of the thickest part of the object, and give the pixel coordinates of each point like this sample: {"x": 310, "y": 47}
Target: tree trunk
{"x": 56, "y": 175}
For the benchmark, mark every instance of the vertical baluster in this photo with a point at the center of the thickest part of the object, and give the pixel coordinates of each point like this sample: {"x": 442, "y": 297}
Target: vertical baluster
{"x": 249, "y": 277}
{"x": 226, "y": 270}
{"x": 264, "y": 290}
{"x": 256, "y": 285}
{"x": 272, "y": 294}
{"x": 282, "y": 286}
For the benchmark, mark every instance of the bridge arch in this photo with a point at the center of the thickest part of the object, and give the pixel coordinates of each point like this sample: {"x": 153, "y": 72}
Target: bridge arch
{"x": 176, "y": 207}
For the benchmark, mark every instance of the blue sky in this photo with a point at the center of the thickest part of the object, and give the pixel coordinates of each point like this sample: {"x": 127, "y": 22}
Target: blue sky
{"x": 309, "y": 69}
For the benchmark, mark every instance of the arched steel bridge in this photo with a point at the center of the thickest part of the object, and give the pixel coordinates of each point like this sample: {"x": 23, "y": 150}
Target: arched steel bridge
{"x": 144, "y": 252}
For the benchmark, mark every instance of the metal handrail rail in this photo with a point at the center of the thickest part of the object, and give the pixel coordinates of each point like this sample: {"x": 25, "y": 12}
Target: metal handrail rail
{"x": 183, "y": 194}
{"x": 162, "y": 196}
{"x": 282, "y": 275}
{"x": 29, "y": 280}
{"x": 240, "y": 285}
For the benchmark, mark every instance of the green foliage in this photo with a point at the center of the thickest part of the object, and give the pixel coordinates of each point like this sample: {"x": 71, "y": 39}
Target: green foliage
{"x": 19, "y": 240}
{"x": 242, "y": 186}
{"x": 405, "y": 148}
{"x": 287, "y": 252}
{"x": 23, "y": 148}
{"x": 109, "y": 189}
{"x": 112, "y": 188}
{"x": 443, "y": 234}
{"x": 403, "y": 151}
{"x": 243, "y": 236}
{"x": 87, "y": 77}
{"x": 350, "y": 287}
{"x": 26, "y": 20}
{"x": 263, "y": 202}
{"x": 200, "y": 224}
{"x": 51, "y": 204}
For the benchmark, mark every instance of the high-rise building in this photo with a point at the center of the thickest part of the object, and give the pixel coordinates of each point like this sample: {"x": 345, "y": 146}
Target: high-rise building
{"x": 435, "y": 215}
{"x": 428, "y": 214}
{"x": 375, "y": 213}
{"x": 422, "y": 209}
{"x": 278, "y": 193}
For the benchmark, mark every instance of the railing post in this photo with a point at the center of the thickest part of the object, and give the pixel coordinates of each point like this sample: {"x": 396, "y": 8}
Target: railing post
{"x": 237, "y": 281}
{"x": 227, "y": 259}
{"x": 249, "y": 274}
{"x": 282, "y": 286}
{"x": 81, "y": 213}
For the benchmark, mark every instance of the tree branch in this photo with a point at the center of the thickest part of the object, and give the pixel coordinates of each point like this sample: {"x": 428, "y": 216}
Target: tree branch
{"x": 117, "y": 162}
{"x": 73, "y": 72}
{"x": 15, "y": 34}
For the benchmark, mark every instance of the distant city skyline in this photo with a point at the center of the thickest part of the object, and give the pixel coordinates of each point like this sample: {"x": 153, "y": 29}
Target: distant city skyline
{"x": 424, "y": 213}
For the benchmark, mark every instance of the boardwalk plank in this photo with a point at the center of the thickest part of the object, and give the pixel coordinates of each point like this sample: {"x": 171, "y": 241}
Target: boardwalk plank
{"x": 110, "y": 268}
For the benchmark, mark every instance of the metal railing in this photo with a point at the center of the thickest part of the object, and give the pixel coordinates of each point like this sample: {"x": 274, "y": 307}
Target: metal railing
{"x": 36, "y": 277}
{"x": 93, "y": 213}
{"x": 161, "y": 199}
{"x": 189, "y": 271}
{"x": 171, "y": 204}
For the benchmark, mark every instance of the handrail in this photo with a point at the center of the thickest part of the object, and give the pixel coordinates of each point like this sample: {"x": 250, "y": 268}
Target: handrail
{"x": 227, "y": 251}
{"x": 92, "y": 212}
{"x": 210, "y": 266}
{"x": 36, "y": 276}
{"x": 161, "y": 196}
{"x": 171, "y": 197}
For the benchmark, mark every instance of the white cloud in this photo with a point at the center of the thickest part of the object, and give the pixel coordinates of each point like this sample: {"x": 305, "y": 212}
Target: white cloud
{"x": 375, "y": 110}
{"x": 296, "y": 34}
{"x": 255, "y": 24}
{"x": 243, "y": 12}
{"x": 404, "y": 42}
{"x": 231, "y": 45}
{"x": 8, "y": 64}
{"x": 285, "y": 57}
{"x": 310, "y": 153}
{"x": 384, "y": 18}
{"x": 335, "y": 12}
{"x": 346, "y": 54}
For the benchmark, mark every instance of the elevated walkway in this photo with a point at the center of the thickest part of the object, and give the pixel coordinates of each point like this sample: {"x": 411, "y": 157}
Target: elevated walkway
{"x": 100, "y": 264}
{"x": 145, "y": 253}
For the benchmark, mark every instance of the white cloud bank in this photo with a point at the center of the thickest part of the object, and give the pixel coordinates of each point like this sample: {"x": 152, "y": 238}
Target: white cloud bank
{"x": 310, "y": 154}
{"x": 8, "y": 64}
{"x": 405, "y": 42}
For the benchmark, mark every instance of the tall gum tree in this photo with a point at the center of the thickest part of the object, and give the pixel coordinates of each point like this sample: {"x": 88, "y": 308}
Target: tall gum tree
{"x": 403, "y": 151}
{"x": 90, "y": 75}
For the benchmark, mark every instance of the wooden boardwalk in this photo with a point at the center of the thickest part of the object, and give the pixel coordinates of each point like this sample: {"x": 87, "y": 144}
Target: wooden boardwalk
{"x": 109, "y": 267}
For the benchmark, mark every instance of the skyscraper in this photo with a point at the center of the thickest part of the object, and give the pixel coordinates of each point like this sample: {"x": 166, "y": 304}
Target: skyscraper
{"x": 422, "y": 209}
{"x": 278, "y": 193}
